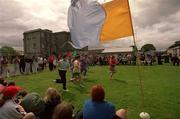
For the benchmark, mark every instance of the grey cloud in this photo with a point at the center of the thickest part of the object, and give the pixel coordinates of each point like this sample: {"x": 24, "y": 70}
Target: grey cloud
{"x": 9, "y": 10}
{"x": 166, "y": 27}
{"x": 10, "y": 27}
{"x": 154, "y": 11}
{"x": 16, "y": 18}
{"x": 12, "y": 40}
{"x": 156, "y": 21}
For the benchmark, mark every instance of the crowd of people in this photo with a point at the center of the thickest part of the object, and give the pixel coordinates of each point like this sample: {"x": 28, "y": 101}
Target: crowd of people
{"x": 79, "y": 64}
{"x": 16, "y": 103}
{"x": 22, "y": 65}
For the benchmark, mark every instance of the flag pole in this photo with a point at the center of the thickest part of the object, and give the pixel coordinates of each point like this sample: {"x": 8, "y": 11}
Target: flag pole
{"x": 138, "y": 59}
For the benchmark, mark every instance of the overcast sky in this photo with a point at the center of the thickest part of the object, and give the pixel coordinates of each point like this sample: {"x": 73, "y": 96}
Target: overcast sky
{"x": 155, "y": 21}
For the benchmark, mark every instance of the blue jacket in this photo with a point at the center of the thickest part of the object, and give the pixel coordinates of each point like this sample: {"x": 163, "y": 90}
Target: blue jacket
{"x": 98, "y": 110}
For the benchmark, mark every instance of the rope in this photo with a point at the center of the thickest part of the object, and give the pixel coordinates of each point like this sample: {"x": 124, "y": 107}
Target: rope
{"x": 138, "y": 61}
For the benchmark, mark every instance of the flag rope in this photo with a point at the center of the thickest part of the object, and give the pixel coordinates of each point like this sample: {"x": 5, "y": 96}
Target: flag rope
{"x": 138, "y": 61}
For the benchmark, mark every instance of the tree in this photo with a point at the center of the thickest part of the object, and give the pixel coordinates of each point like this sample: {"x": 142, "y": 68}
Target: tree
{"x": 147, "y": 47}
{"x": 176, "y": 44}
{"x": 7, "y": 51}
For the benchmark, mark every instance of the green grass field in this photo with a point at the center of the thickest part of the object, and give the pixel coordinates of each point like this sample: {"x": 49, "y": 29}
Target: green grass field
{"x": 161, "y": 86}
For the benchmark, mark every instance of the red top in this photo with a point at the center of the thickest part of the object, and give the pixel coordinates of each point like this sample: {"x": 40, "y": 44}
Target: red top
{"x": 51, "y": 58}
{"x": 112, "y": 62}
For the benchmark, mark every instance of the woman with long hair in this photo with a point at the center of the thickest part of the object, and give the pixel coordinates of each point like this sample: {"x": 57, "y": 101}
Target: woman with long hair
{"x": 52, "y": 99}
{"x": 63, "y": 111}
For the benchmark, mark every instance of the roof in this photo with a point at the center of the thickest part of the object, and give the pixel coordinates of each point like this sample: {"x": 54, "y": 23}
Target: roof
{"x": 62, "y": 32}
{"x": 37, "y": 30}
{"x": 117, "y": 50}
{"x": 176, "y": 44}
{"x": 98, "y": 47}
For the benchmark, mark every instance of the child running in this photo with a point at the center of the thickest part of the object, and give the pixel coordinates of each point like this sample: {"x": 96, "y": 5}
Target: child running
{"x": 76, "y": 71}
{"x": 112, "y": 64}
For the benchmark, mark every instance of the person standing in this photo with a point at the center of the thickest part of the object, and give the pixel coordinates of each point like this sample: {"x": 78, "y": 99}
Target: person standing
{"x": 22, "y": 65}
{"x": 4, "y": 64}
{"x": 175, "y": 60}
{"x": 28, "y": 65}
{"x": 40, "y": 63}
{"x": 16, "y": 66}
{"x": 1, "y": 59}
{"x": 50, "y": 61}
{"x": 83, "y": 64}
{"x": 112, "y": 64}
{"x": 63, "y": 67}
{"x": 34, "y": 64}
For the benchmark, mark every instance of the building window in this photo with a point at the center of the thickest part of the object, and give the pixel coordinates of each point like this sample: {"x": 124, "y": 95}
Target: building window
{"x": 42, "y": 35}
{"x": 34, "y": 45}
{"x": 42, "y": 45}
{"x": 33, "y": 37}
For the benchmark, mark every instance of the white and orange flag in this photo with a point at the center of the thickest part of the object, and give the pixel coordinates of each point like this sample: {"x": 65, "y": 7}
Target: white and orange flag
{"x": 91, "y": 23}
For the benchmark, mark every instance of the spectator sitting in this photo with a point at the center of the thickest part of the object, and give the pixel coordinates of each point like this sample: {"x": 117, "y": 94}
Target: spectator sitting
{"x": 11, "y": 83}
{"x": 32, "y": 102}
{"x": 51, "y": 99}
{"x": 20, "y": 95}
{"x": 3, "y": 82}
{"x": 9, "y": 109}
{"x": 63, "y": 110}
{"x": 98, "y": 108}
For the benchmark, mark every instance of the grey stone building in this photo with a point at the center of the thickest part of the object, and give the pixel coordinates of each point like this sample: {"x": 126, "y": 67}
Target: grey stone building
{"x": 43, "y": 42}
{"x": 62, "y": 42}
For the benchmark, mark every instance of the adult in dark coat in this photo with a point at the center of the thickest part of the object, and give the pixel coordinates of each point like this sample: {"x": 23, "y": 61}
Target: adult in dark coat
{"x": 22, "y": 64}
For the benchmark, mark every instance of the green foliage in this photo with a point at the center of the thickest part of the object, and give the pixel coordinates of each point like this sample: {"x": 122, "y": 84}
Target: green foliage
{"x": 161, "y": 86}
{"x": 7, "y": 51}
{"x": 176, "y": 44}
{"x": 147, "y": 47}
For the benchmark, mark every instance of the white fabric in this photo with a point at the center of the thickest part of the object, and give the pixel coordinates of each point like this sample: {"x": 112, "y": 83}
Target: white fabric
{"x": 34, "y": 66}
{"x": 16, "y": 69}
{"x": 85, "y": 19}
{"x": 27, "y": 68}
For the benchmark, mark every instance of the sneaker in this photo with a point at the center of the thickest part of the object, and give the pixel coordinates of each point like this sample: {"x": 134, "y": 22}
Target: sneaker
{"x": 81, "y": 85}
{"x": 66, "y": 90}
{"x": 72, "y": 79}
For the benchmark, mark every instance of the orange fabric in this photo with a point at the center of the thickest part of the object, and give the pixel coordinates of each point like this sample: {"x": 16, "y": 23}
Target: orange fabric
{"x": 118, "y": 21}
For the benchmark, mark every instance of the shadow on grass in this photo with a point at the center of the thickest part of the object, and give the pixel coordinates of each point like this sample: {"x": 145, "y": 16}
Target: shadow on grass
{"x": 71, "y": 96}
{"x": 88, "y": 80}
{"x": 120, "y": 81}
{"x": 80, "y": 89}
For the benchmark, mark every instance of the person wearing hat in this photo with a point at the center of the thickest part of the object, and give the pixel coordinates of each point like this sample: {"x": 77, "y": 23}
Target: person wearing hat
{"x": 9, "y": 109}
